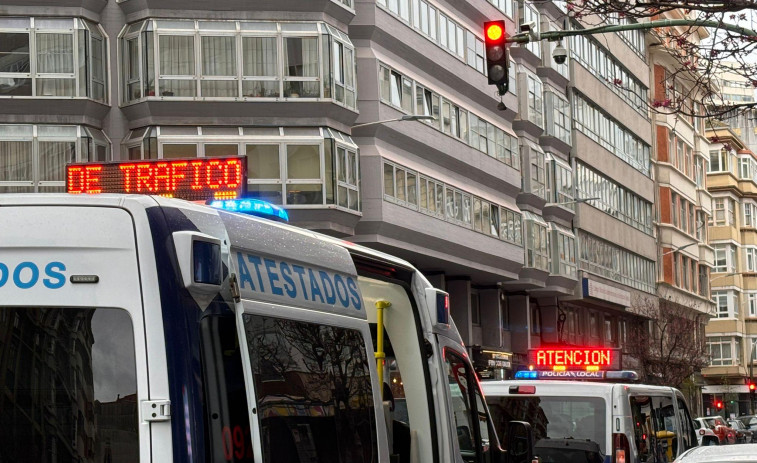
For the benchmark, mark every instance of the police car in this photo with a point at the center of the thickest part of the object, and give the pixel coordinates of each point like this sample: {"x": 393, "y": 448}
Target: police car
{"x": 580, "y": 412}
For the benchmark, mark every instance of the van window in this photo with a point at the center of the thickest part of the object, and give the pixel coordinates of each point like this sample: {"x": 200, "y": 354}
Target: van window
{"x": 656, "y": 428}
{"x": 313, "y": 390}
{"x": 68, "y": 389}
{"x": 552, "y": 418}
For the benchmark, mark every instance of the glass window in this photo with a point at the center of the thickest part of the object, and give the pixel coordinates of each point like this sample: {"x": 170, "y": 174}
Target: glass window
{"x": 553, "y": 418}
{"x": 177, "y": 65}
{"x": 260, "y": 71}
{"x": 313, "y": 390}
{"x": 90, "y": 384}
{"x": 263, "y": 162}
{"x": 219, "y": 60}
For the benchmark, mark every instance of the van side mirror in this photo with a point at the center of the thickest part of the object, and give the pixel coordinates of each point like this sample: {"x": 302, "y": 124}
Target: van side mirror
{"x": 520, "y": 442}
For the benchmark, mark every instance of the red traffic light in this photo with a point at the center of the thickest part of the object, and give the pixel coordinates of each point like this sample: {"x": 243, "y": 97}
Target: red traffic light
{"x": 719, "y": 405}
{"x": 752, "y": 387}
{"x": 494, "y": 31}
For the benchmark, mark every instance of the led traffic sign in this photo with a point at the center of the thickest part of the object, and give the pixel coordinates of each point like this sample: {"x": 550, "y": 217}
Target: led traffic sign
{"x": 196, "y": 179}
{"x": 575, "y": 358}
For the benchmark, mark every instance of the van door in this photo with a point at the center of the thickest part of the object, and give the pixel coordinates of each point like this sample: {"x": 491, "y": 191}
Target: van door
{"x": 310, "y": 384}
{"x": 469, "y": 420}
{"x": 657, "y": 428}
{"x": 688, "y": 437}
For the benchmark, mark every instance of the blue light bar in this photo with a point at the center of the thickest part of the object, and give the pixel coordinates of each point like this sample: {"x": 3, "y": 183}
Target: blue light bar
{"x": 251, "y": 206}
{"x": 525, "y": 374}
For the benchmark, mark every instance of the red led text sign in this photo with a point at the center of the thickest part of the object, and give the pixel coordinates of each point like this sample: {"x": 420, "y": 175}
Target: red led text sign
{"x": 191, "y": 179}
{"x": 574, "y": 358}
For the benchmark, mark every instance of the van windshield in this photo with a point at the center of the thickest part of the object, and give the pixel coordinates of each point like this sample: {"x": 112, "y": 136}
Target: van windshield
{"x": 68, "y": 385}
{"x": 577, "y": 418}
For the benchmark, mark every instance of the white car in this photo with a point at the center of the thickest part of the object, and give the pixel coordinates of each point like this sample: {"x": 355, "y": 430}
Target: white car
{"x": 705, "y": 434}
{"x": 744, "y": 453}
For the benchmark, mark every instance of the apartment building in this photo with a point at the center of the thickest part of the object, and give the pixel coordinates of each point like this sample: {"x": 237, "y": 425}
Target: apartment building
{"x": 732, "y": 333}
{"x": 535, "y": 211}
{"x": 683, "y": 204}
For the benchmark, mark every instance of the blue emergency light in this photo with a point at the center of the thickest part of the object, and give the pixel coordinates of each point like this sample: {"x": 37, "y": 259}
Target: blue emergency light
{"x": 251, "y": 206}
{"x": 526, "y": 374}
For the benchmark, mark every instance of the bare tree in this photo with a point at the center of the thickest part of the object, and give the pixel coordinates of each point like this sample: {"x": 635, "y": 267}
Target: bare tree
{"x": 697, "y": 61}
{"x": 667, "y": 341}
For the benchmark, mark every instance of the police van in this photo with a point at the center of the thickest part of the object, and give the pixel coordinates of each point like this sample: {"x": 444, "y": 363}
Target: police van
{"x": 593, "y": 415}
{"x": 145, "y": 329}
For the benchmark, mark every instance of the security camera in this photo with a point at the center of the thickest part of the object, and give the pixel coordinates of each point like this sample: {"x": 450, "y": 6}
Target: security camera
{"x": 528, "y": 27}
{"x": 560, "y": 54}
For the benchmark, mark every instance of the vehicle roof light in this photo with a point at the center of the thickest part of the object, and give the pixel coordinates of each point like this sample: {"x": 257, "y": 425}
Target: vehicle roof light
{"x": 522, "y": 389}
{"x": 523, "y": 374}
{"x": 251, "y": 206}
{"x": 625, "y": 375}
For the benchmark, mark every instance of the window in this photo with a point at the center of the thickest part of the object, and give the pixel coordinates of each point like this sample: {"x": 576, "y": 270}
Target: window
{"x": 564, "y": 250}
{"x": 751, "y": 297}
{"x": 750, "y": 254}
{"x": 537, "y": 241}
{"x": 559, "y": 181}
{"x": 700, "y": 170}
{"x": 750, "y": 215}
{"x": 726, "y": 305}
{"x": 338, "y": 357}
{"x": 724, "y": 212}
{"x": 397, "y": 90}
{"x": 37, "y": 58}
{"x": 595, "y": 124}
{"x": 724, "y": 350}
{"x": 718, "y": 161}
{"x": 538, "y": 183}
{"x": 302, "y": 166}
{"x": 33, "y": 158}
{"x": 587, "y": 51}
{"x": 725, "y": 258}
{"x": 616, "y": 263}
{"x": 92, "y": 377}
{"x": 237, "y": 60}
{"x": 558, "y": 116}
{"x": 614, "y": 199}
{"x": 531, "y": 14}
{"x": 704, "y": 281}
{"x": 535, "y": 103}
{"x": 416, "y": 191}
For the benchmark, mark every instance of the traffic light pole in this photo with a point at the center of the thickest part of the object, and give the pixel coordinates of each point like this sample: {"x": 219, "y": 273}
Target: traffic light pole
{"x": 554, "y": 36}
{"x": 751, "y": 376}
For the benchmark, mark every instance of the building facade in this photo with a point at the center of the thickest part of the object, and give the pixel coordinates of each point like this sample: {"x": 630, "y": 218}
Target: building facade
{"x": 535, "y": 211}
{"x": 732, "y": 333}
{"x": 683, "y": 204}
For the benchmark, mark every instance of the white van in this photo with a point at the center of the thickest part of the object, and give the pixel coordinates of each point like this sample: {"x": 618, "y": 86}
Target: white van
{"x": 595, "y": 422}
{"x": 144, "y": 329}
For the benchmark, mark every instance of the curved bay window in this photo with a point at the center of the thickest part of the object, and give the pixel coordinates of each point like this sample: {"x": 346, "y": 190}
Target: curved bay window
{"x": 236, "y": 60}
{"x": 537, "y": 241}
{"x": 302, "y": 167}
{"x": 563, "y": 243}
{"x": 52, "y": 57}
{"x": 33, "y": 158}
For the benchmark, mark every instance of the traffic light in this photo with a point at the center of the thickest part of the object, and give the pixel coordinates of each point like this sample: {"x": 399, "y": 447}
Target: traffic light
{"x": 496, "y": 54}
{"x": 719, "y": 405}
{"x": 752, "y": 388}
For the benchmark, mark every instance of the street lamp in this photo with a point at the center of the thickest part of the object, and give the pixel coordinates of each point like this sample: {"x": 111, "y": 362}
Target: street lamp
{"x": 582, "y": 200}
{"x": 398, "y": 119}
{"x": 679, "y": 248}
